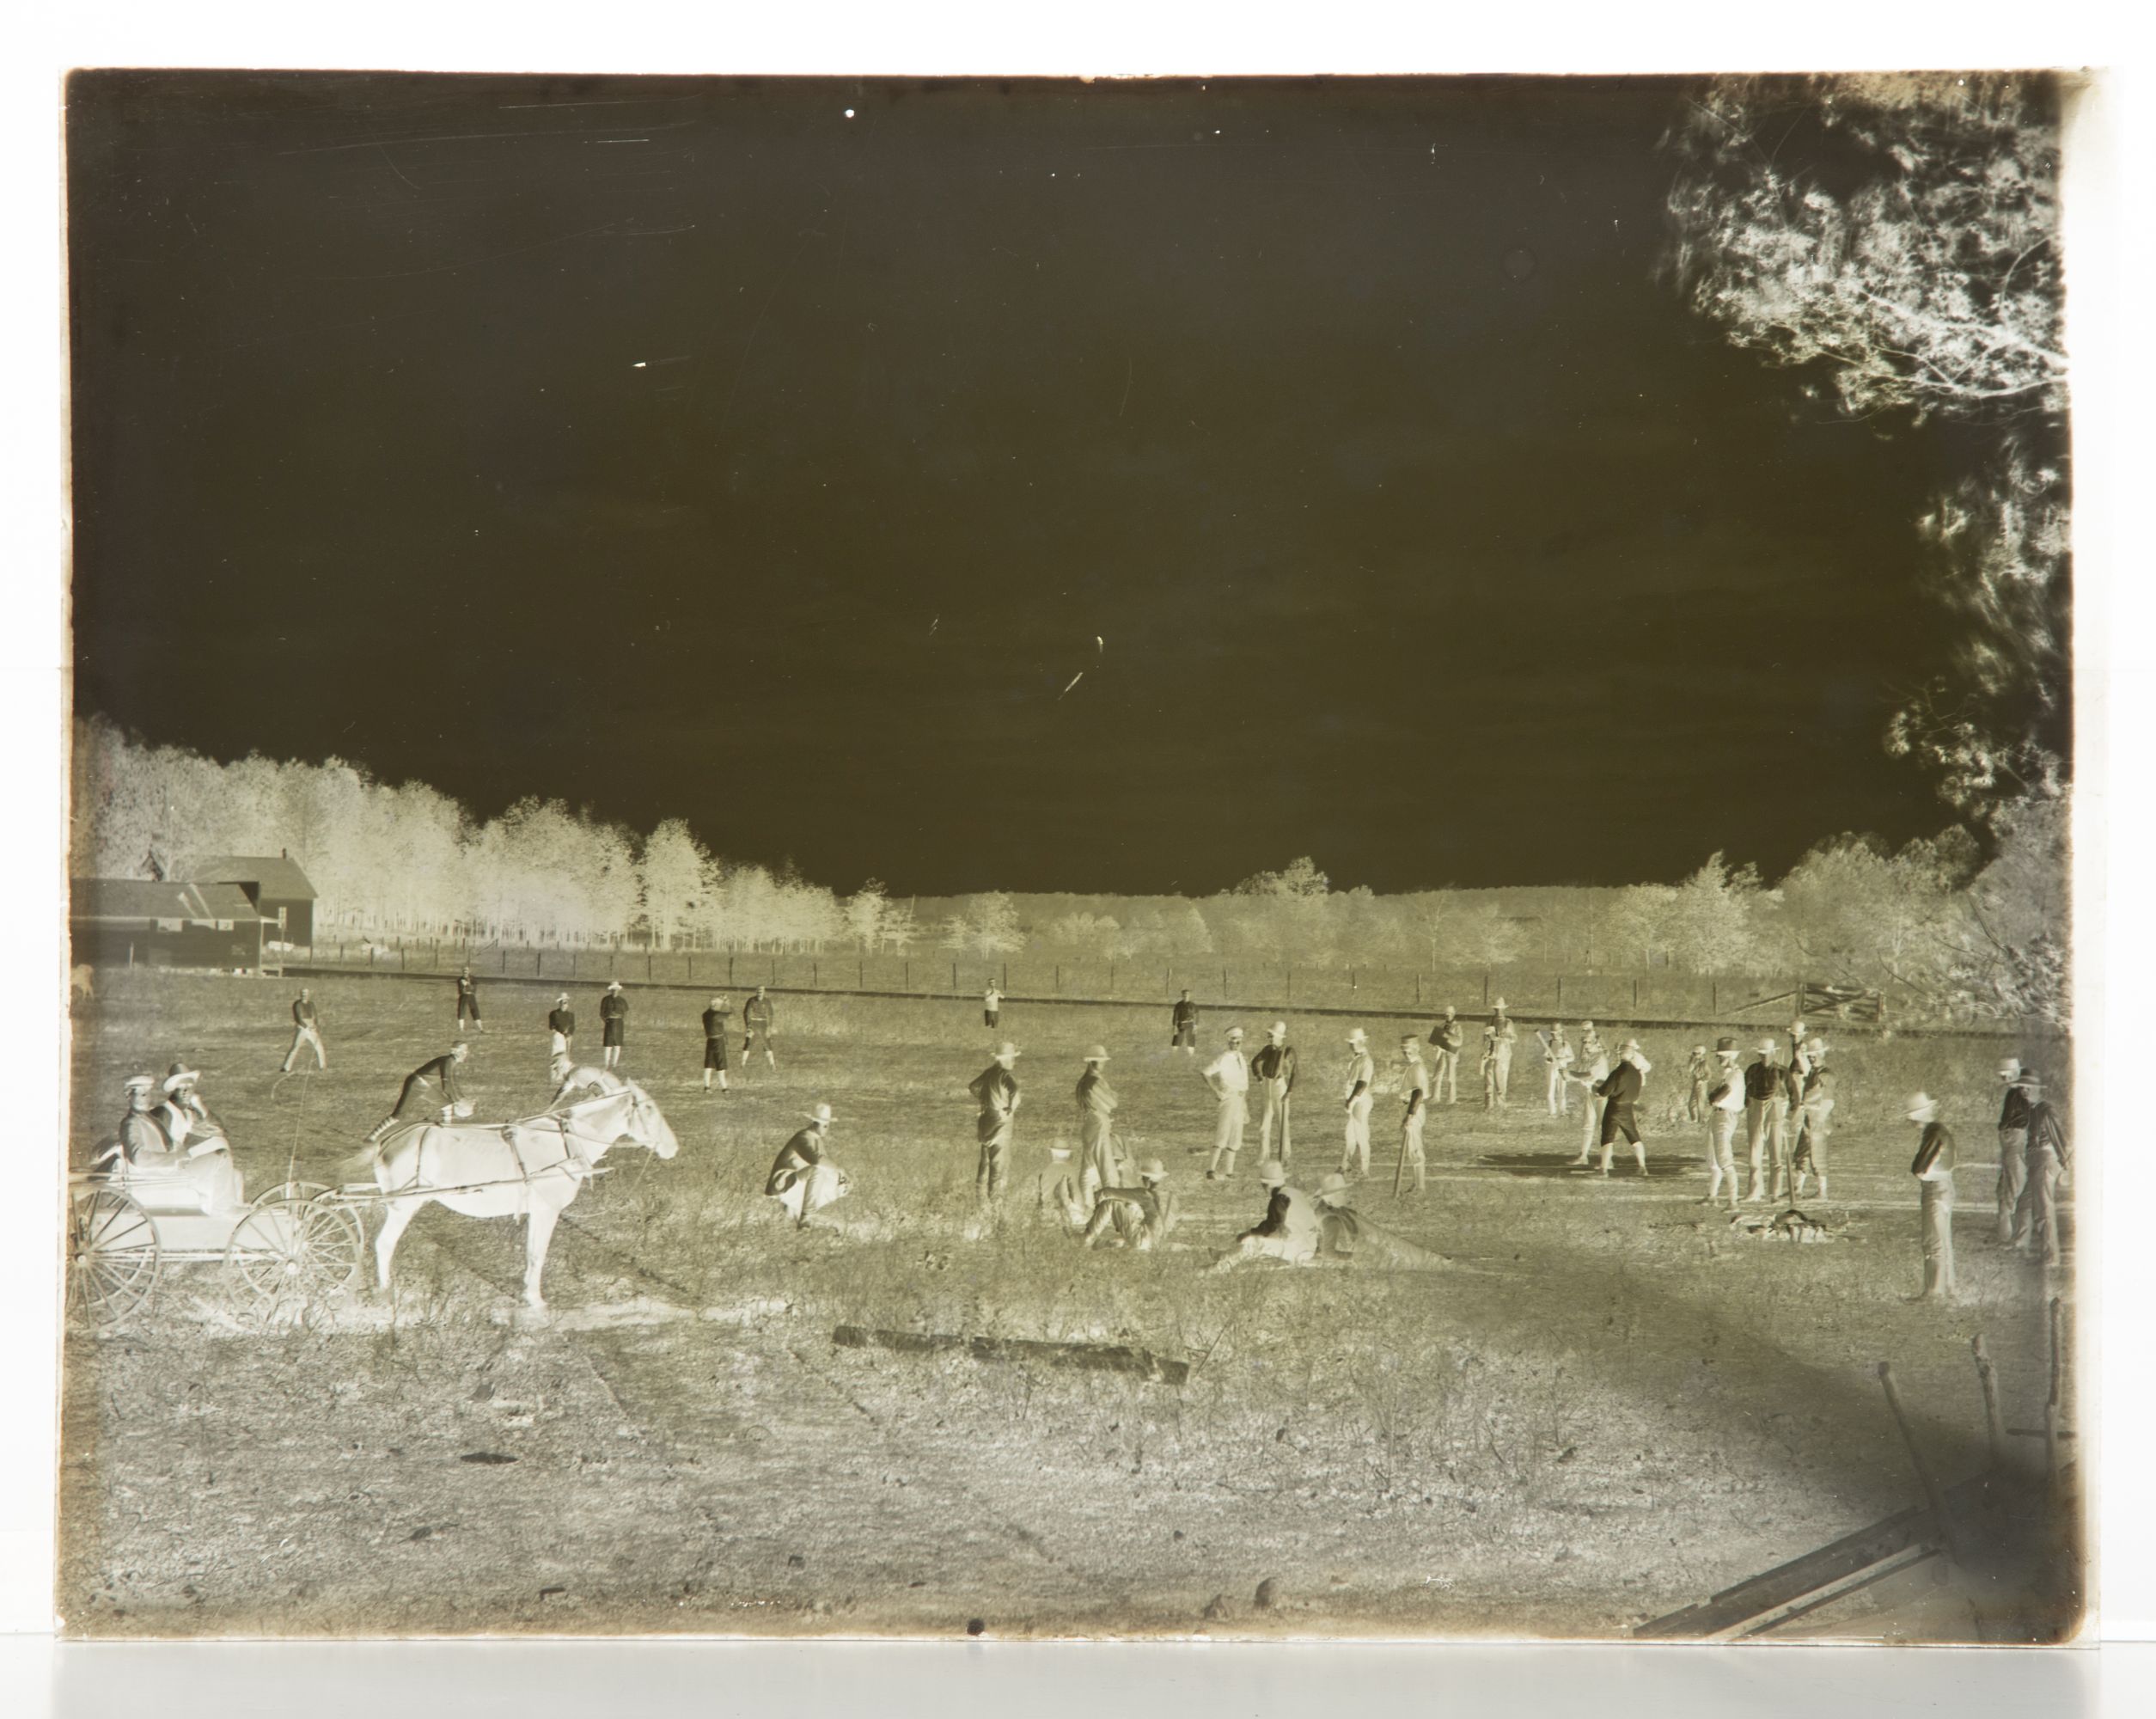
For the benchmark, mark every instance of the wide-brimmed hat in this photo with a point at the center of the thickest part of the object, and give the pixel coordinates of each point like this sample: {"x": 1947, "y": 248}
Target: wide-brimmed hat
{"x": 460, "y": 1044}
{"x": 1796, "y": 1028}
{"x": 138, "y": 1083}
{"x": 2032, "y": 1081}
{"x": 1153, "y": 1169}
{"x": 2010, "y": 1068}
{"x": 1920, "y": 1105}
{"x": 181, "y": 1075}
{"x": 1007, "y": 1049}
{"x": 1097, "y": 1053}
{"x": 614, "y": 984}
{"x": 1358, "y": 1037}
{"x": 820, "y": 1114}
{"x": 1414, "y": 1038}
{"x": 563, "y": 999}
{"x": 1765, "y": 1045}
{"x": 1699, "y": 1050}
{"x": 1498, "y": 1003}
{"x": 1273, "y": 1173}
{"x": 1817, "y": 1046}
{"x": 1335, "y": 1183}
{"x": 1235, "y": 1032}
{"x": 1588, "y": 1025}
{"x": 1278, "y": 1030}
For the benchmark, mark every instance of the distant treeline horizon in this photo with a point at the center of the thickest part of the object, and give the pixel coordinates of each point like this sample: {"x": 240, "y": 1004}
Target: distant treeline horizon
{"x": 1934, "y": 917}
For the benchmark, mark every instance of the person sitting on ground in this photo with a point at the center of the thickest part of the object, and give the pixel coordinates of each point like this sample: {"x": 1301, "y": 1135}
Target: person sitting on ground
{"x": 1288, "y": 1230}
{"x": 1135, "y": 1217}
{"x": 803, "y": 1180}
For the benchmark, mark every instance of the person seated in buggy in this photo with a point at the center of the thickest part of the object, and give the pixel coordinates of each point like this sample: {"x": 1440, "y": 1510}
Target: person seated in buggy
{"x": 172, "y": 1157}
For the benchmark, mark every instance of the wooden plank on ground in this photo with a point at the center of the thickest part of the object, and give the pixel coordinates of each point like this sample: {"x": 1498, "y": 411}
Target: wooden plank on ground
{"x": 1102, "y": 1357}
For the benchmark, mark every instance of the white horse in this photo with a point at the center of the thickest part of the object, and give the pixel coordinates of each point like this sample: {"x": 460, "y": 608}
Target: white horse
{"x": 530, "y": 1169}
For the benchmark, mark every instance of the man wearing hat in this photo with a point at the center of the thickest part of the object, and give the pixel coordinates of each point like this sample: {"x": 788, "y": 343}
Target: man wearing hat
{"x": 1288, "y": 1231}
{"x": 306, "y": 1032}
{"x": 1619, "y": 1090}
{"x": 614, "y": 1024}
{"x": 1357, "y": 1079}
{"x": 1764, "y": 1105}
{"x": 1814, "y": 1121}
{"x": 431, "y": 1093}
{"x": 1498, "y": 1039}
{"x": 718, "y": 1027}
{"x": 2035, "y": 1219}
{"x": 992, "y": 1006}
{"x": 183, "y": 1113}
{"x": 468, "y": 1000}
{"x": 803, "y": 1180}
{"x": 1138, "y": 1216}
{"x": 561, "y": 1031}
{"x": 995, "y": 1089}
{"x": 1933, "y": 1168}
{"x": 1229, "y": 1076}
{"x": 1697, "y": 1081}
{"x": 1447, "y": 1039}
{"x": 1182, "y": 1025}
{"x": 142, "y": 1138}
{"x": 1100, "y": 1165}
{"x": 1414, "y": 1104}
{"x": 757, "y": 1018}
{"x": 2013, "y": 1145}
{"x": 1587, "y": 1072}
{"x": 1272, "y": 1069}
{"x": 1725, "y": 1104}
{"x": 1557, "y": 1061}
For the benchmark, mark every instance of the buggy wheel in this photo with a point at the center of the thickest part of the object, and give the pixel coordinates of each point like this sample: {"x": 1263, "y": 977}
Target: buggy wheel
{"x": 293, "y": 1246}
{"x": 111, "y": 1256}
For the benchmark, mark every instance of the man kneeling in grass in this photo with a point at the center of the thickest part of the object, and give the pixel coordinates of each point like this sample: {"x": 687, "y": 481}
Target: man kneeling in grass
{"x": 803, "y": 1180}
{"x": 1288, "y": 1230}
{"x": 1138, "y": 1217}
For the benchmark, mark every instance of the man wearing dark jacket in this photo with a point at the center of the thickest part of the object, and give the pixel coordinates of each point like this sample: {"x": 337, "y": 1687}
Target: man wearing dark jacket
{"x": 718, "y": 1024}
{"x": 614, "y": 1024}
{"x": 431, "y": 1093}
{"x": 2035, "y": 1219}
{"x": 1182, "y": 1025}
{"x": 1619, "y": 1090}
{"x": 1273, "y": 1071}
{"x": 1933, "y": 1168}
{"x": 1763, "y": 1098}
{"x": 2013, "y": 1145}
{"x": 467, "y": 1001}
{"x": 995, "y": 1089}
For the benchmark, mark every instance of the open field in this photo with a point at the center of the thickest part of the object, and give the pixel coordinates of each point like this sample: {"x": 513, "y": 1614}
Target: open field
{"x": 1603, "y": 1407}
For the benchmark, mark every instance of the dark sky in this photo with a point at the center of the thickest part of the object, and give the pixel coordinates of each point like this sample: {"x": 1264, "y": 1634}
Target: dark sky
{"x": 686, "y": 448}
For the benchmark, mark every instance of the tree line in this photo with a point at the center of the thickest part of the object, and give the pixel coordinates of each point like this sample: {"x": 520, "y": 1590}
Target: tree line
{"x": 1967, "y": 927}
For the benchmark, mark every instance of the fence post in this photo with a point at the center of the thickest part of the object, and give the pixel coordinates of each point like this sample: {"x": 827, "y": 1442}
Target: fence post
{"x": 1486, "y": 987}
{"x": 954, "y": 978}
{"x": 1111, "y": 978}
{"x": 1418, "y": 990}
{"x": 1059, "y": 978}
{"x": 861, "y": 973}
{"x": 1561, "y": 993}
{"x": 774, "y": 970}
{"x": 1223, "y": 984}
{"x": 1353, "y": 986}
{"x": 1006, "y": 976}
{"x": 906, "y": 973}
{"x": 730, "y": 969}
{"x": 1715, "y": 998}
{"x": 505, "y": 958}
{"x": 815, "y": 975}
{"x": 1635, "y": 996}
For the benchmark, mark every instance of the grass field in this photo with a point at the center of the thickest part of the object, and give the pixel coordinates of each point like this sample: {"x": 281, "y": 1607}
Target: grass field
{"x": 1604, "y": 1406}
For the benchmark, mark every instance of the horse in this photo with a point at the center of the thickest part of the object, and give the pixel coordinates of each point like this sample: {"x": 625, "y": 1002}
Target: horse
{"x": 531, "y": 1168}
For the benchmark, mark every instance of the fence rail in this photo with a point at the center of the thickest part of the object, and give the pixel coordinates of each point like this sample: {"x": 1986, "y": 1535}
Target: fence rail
{"x": 1213, "y": 982}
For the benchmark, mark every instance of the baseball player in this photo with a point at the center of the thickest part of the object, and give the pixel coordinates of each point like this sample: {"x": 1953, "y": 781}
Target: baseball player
{"x": 2013, "y": 1145}
{"x": 1724, "y": 1105}
{"x": 468, "y": 1000}
{"x": 1358, "y": 1079}
{"x": 1272, "y": 1071}
{"x": 757, "y": 1019}
{"x": 1557, "y": 1061}
{"x": 1100, "y": 1165}
{"x": 306, "y": 1032}
{"x": 1414, "y": 1107}
{"x": 1137, "y": 1217}
{"x": 1764, "y": 1103}
{"x": 614, "y": 1024}
{"x": 718, "y": 1027}
{"x": 432, "y": 1092}
{"x": 803, "y": 1180}
{"x": 1288, "y": 1230}
{"x": 1933, "y": 1168}
{"x": 996, "y": 1091}
{"x": 1498, "y": 1039}
{"x": 1813, "y": 1124}
{"x": 1229, "y": 1076}
{"x": 1447, "y": 1038}
{"x": 1182, "y": 1025}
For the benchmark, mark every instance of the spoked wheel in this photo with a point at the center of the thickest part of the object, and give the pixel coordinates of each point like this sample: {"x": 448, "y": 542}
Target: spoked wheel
{"x": 293, "y": 1248}
{"x": 111, "y": 1256}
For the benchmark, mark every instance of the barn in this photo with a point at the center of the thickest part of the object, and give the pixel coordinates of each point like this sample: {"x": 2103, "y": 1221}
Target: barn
{"x": 275, "y": 887}
{"x": 130, "y": 923}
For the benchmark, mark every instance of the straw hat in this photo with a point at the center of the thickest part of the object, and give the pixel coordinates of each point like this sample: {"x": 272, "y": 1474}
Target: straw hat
{"x": 614, "y": 984}
{"x": 1278, "y": 1030}
{"x": 1766, "y": 1046}
{"x": 1358, "y": 1038}
{"x": 1273, "y": 1173}
{"x": 562, "y": 1000}
{"x": 1097, "y": 1054}
{"x": 1235, "y": 1032}
{"x": 1498, "y": 1005}
{"x": 820, "y": 1114}
{"x": 1153, "y": 1169}
{"x": 1334, "y": 1185}
{"x": 181, "y": 1075}
{"x": 1007, "y": 1049}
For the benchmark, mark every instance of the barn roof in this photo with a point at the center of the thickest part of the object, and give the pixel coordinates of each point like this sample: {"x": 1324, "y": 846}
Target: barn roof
{"x": 134, "y": 898}
{"x": 274, "y": 876}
